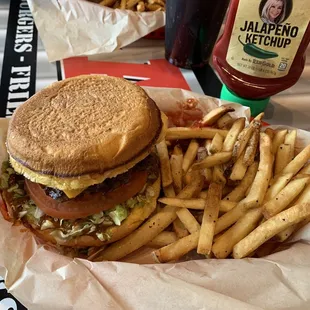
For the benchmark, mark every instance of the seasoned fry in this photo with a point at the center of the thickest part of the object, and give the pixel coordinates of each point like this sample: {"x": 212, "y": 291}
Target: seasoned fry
{"x": 190, "y": 155}
{"x": 176, "y": 162}
{"x": 165, "y": 169}
{"x": 209, "y": 219}
{"x": 131, "y": 3}
{"x": 194, "y": 203}
{"x": 163, "y": 239}
{"x": 298, "y": 162}
{"x": 258, "y": 189}
{"x": 213, "y": 160}
{"x": 285, "y": 197}
{"x": 251, "y": 149}
{"x": 107, "y": 2}
{"x": 278, "y": 140}
{"x": 208, "y": 174}
{"x": 123, "y": 4}
{"x": 141, "y": 6}
{"x": 283, "y": 157}
{"x": 179, "y": 229}
{"x": 238, "y": 193}
{"x": 203, "y": 195}
{"x": 305, "y": 170}
{"x": 270, "y": 228}
{"x": 277, "y": 185}
{"x": 225, "y": 121}
{"x": 159, "y": 2}
{"x": 233, "y": 134}
{"x": 188, "y": 220}
{"x": 223, "y": 246}
{"x": 218, "y": 175}
{"x": 176, "y": 133}
{"x": 216, "y": 144}
{"x": 270, "y": 132}
{"x": 215, "y": 114}
{"x": 239, "y": 169}
{"x": 290, "y": 139}
{"x": 177, "y": 249}
{"x": 154, "y": 7}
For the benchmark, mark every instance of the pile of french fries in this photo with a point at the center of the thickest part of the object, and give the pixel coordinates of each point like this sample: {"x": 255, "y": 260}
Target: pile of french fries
{"x": 135, "y": 5}
{"x": 230, "y": 190}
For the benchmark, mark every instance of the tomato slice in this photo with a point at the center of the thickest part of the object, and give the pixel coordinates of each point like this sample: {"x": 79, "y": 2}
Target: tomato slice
{"x": 89, "y": 203}
{"x": 4, "y": 209}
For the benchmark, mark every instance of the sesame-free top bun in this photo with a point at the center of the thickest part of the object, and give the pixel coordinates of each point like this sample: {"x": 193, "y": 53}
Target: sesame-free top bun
{"x": 86, "y": 128}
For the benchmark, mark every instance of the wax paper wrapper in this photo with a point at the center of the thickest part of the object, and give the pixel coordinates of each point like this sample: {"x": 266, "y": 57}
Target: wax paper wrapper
{"x": 42, "y": 279}
{"x": 70, "y": 28}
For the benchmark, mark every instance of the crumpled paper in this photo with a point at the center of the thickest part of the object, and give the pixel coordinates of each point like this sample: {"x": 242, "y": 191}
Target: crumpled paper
{"x": 42, "y": 279}
{"x": 70, "y": 28}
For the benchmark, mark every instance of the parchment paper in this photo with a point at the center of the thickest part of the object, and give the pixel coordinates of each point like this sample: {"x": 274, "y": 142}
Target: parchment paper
{"x": 70, "y": 28}
{"x": 42, "y": 279}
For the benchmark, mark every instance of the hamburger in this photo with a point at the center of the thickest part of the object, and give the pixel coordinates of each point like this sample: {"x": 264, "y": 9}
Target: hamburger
{"x": 82, "y": 171}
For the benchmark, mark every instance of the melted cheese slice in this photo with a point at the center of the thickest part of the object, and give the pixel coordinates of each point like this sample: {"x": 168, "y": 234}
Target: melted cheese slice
{"x": 73, "y": 192}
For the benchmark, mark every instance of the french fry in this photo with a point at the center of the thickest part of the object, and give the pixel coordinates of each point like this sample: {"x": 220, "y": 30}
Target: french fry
{"x": 290, "y": 139}
{"x": 159, "y": 2}
{"x": 238, "y": 193}
{"x": 258, "y": 189}
{"x": 277, "y": 185}
{"x": 177, "y": 249}
{"x": 163, "y": 239}
{"x": 278, "y": 140}
{"x": 216, "y": 144}
{"x": 177, "y": 133}
{"x": 225, "y": 121}
{"x": 165, "y": 168}
{"x": 107, "y": 2}
{"x": 239, "y": 169}
{"x": 218, "y": 175}
{"x": 131, "y": 3}
{"x": 203, "y": 195}
{"x": 233, "y": 134}
{"x": 215, "y": 114}
{"x": 283, "y": 157}
{"x": 285, "y": 234}
{"x": 188, "y": 220}
{"x": 251, "y": 149}
{"x": 223, "y": 246}
{"x": 226, "y": 206}
{"x": 194, "y": 203}
{"x": 154, "y": 7}
{"x": 270, "y": 228}
{"x": 298, "y": 162}
{"x": 169, "y": 191}
{"x": 179, "y": 229}
{"x": 209, "y": 219}
{"x": 305, "y": 170}
{"x": 141, "y": 6}
{"x": 213, "y": 160}
{"x": 190, "y": 155}
{"x": 285, "y": 197}
{"x": 270, "y": 132}
{"x": 176, "y": 162}
{"x": 123, "y": 4}
{"x": 208, "y": 174}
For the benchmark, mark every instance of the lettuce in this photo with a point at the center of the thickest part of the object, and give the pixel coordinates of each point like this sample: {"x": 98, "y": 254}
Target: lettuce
{"x": 118, "y": 214}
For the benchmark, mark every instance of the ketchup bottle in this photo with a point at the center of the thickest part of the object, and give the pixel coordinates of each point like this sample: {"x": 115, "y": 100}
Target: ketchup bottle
{"x": 262, "y": 49}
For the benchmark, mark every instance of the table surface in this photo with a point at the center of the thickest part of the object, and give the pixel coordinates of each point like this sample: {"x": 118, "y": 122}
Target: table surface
{"x": 289, "y": 107}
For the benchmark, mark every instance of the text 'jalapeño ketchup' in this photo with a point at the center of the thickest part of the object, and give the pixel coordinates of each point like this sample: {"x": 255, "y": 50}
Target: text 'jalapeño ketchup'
{"x": 262, "y": 49}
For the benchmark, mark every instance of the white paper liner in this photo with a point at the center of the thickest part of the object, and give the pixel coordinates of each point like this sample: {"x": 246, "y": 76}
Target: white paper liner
{"x": 42, "y": 279}
{"x": 70, "y": 28}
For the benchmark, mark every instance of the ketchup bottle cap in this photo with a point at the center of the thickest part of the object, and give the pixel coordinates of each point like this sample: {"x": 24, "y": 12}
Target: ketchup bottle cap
{"x": 256, "y": 106}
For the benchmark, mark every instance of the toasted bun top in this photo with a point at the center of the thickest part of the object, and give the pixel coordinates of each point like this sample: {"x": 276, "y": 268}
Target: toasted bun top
{"x": 83, "y": 125}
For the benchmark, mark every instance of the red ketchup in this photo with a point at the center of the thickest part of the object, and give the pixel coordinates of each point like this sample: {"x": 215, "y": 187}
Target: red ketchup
{"x": 262, "y": 49}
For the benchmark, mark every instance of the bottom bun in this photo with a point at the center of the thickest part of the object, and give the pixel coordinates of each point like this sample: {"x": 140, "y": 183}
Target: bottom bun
{"x": 132, "y": 222}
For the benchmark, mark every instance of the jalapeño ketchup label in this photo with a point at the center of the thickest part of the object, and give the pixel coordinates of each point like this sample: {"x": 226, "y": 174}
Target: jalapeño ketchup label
{"x": 266, "y": 36}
